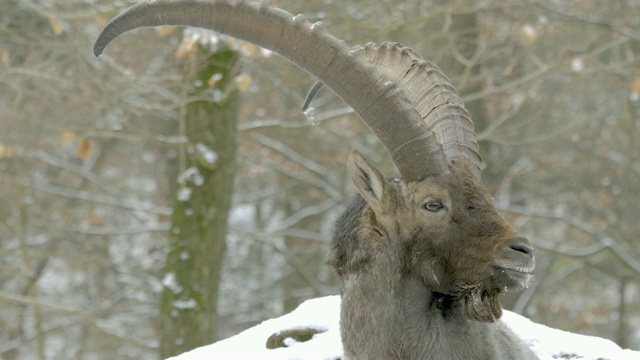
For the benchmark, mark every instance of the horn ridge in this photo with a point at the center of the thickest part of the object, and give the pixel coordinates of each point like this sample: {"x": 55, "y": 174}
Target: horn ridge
{"x": 433, "y": 96}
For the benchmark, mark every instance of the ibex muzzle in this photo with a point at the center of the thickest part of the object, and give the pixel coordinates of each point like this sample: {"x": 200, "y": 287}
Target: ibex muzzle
{"x": 422, "y": 258}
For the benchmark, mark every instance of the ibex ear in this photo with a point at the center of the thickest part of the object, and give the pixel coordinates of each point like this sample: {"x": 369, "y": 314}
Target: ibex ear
{"x": 368, "y": 181}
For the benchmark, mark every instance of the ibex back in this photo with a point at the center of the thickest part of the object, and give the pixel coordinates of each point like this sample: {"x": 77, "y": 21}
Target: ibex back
{"x": 424, "y": 257}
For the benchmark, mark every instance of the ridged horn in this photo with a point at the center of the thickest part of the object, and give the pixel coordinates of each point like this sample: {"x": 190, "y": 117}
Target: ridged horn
{"x": 431, "y": 94}
{"x": 378, "y": 102}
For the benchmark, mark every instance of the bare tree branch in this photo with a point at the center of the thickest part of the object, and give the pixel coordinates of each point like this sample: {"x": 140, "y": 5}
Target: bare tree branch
{"x": 321, "y": 171}
{"x": 614, "y": 25}
{"x": 86, "y": 317}
{"x": 97, "y": 198}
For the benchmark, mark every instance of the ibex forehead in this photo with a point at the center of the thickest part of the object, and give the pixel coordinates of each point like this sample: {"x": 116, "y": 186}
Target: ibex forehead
{"x": 458, "y": 192}
{"x": 429, "y": 188}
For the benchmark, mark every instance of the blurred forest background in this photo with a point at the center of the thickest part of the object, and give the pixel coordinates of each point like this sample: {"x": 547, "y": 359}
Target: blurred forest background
{"x": 118, "y": 174}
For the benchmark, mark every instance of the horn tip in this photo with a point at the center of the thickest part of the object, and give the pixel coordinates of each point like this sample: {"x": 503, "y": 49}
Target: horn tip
{"x": 97, "y": 51}
{"x": 100, "y": 44}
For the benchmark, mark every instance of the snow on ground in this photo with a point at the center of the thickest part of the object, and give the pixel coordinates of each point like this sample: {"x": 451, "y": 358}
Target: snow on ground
{"x": 323, "y": 313}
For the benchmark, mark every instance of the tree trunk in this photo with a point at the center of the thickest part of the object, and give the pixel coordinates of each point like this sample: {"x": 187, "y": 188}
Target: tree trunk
{"x": 202, "y": 202}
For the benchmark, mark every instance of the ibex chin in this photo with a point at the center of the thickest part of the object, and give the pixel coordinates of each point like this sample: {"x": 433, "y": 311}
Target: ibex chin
{"x": 422, "y": 258}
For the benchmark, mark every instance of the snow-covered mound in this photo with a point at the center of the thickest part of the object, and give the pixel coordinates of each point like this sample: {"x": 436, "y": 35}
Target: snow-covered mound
{"x": 322, "y": 314}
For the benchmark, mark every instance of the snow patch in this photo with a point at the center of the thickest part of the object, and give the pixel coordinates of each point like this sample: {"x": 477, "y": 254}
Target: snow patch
{"x": 184, "y": 194}
{"x": 320, "y": 314}
{"x": 310, "y": 114}
{"x": 185, "y": 304}
{"x": 207, "y": 153}
{"x": 323, "y": 314}
{"x": 288, "y": 342}
{"x": 170, "y": 282}
{"x": 193, "y": 175}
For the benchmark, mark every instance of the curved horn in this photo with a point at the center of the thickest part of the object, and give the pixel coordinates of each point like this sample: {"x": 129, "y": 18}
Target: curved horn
{"x": 377, "y": 101}
{"x": 430, "y": 92}
{"x": 433, "y": 96}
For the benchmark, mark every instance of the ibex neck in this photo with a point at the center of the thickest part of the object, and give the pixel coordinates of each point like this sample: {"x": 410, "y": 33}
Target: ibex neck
{"x": 402, "y": 319}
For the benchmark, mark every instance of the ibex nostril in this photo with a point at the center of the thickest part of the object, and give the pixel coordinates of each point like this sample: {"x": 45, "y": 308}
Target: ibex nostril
{"x": 521, "y": 245}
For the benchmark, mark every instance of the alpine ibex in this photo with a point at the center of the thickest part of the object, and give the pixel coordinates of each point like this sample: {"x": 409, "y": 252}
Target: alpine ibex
{"x": 422, "y": 258}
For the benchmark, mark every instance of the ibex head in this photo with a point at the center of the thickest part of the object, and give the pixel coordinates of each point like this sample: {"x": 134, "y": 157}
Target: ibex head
{"x": 437, "y": 223}
{"x": 443, "y": 230}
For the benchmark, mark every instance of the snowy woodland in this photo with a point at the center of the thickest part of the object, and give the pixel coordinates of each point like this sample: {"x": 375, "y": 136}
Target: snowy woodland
{"x": 172, "y": 193}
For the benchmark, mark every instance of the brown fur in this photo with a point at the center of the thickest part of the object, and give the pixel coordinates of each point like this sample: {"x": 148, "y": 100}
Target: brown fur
{"x": 405, "y": 268}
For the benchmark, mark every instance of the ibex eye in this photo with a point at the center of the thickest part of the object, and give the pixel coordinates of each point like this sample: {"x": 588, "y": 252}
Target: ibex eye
{"x": 432, "y": 205}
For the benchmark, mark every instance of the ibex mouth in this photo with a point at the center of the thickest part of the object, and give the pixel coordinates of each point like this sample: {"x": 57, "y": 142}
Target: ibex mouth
{"x": 519, "y": 269}
{"x": 513, "y": 277}
{"x": 518, "y": 264}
